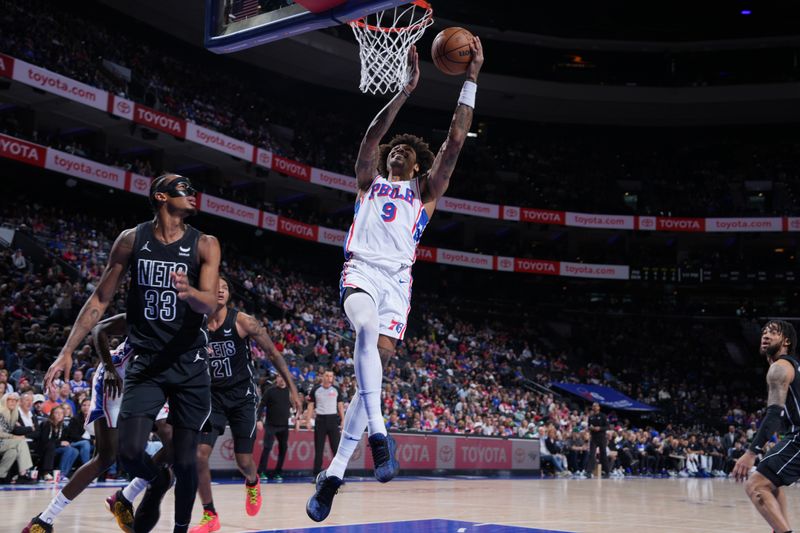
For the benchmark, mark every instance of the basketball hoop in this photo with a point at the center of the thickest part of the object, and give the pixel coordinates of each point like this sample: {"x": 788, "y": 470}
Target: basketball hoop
{"x": 384, "y": 39}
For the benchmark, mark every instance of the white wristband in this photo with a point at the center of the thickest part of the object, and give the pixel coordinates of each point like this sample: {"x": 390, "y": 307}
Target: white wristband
{"x": 468, "y": 91}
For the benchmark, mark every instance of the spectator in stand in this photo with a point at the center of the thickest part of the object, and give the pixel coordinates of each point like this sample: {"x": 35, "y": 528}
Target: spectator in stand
{"x": 53, "y": 400}
{"x": 28, "y": 423}
{"x": 729, "y": 439}
{"x": 38, "y": 407}
{"x": 77, "y": 383}
{"x": 65, "y": 397}
{"x": 4, "y": 381}
{"x": 19, "y": 260}
{"x": 13, "y": 446}
{"x": 77, "y": 435}
{"x": 578, "y": 451}
{"x": 54, "y": 445}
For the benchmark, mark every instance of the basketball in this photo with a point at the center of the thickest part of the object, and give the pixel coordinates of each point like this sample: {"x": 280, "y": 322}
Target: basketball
{"x": 450, "y": 50}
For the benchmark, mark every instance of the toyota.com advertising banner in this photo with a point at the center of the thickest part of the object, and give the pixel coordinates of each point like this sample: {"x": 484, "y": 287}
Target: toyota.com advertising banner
{"x": 76, "y": 91}
{"x": 415, "y": 452}
{"x": 86, "y": 169}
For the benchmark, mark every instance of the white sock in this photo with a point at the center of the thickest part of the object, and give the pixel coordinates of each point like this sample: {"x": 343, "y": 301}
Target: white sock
{"x": 57, "y": 505}
{"x": 134, "y": 488}
{"x": 355, "y": 421}
{"x": 363, "y": 315}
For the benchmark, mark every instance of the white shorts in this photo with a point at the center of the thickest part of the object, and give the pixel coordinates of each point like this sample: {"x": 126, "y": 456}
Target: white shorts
{"x": 390, "y": 290}
{"x": 103, "y": 406}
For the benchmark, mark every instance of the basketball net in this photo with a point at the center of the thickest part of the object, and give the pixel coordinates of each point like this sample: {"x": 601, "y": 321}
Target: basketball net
{"x": 384, "y": 39}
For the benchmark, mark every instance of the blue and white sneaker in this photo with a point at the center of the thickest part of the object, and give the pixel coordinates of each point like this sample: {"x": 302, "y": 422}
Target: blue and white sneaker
{"x": 384, "y": 452}
{"x": 319, "y": 505}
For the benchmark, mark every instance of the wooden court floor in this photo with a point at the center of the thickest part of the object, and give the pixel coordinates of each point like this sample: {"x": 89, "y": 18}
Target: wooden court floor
{"x": 627, "y": 505}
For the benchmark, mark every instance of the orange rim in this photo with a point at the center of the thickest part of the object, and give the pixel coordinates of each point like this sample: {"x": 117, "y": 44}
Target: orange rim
{"x": 361, "y": 23}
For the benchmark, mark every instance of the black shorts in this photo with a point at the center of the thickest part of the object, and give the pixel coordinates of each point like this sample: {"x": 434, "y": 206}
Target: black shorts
{"x": 235, "y": 406}
{"x": 782, "y": 464}
{"x": 152, "y": 379}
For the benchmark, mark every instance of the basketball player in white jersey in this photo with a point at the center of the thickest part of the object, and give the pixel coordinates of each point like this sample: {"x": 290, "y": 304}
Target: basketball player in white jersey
{"x": 399, "y": 184}
{"x": 105, "y": 404}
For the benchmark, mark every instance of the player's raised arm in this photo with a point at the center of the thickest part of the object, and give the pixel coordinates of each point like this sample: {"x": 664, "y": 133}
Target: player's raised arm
{"x": 202, "y": 299}
{"x": 256, "y": 331}
{"x": 114, "y": 325}
{"x": 96, "y": 305}
{"x": 438, "y": 179}
{"x": 367, "y": 162}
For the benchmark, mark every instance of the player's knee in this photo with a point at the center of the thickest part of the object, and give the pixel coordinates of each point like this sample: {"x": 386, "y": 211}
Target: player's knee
{"x": 242, "y": 448}
{"x": 130, "y": 453}
{"x": 185, "y": 462}
{"x": 203, "y": 454}
{"x": 755, "y": 490}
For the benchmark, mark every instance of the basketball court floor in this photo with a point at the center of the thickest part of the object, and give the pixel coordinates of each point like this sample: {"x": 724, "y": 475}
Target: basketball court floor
{"x": 443, "y": 505}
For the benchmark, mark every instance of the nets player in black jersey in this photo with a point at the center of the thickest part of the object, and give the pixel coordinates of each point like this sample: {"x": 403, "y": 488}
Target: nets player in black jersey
{"x": 781, "y": 465}
{"x": 174, "y": 273}
{"x": 234, "y": 399}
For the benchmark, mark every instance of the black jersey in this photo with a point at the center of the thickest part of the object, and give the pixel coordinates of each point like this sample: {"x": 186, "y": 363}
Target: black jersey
{"x": 158, "y": 322}
{"x": 229, "y": 360}
{"x": 793, "y": 398}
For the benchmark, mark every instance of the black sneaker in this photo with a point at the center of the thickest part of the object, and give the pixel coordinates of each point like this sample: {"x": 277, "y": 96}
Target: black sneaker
{"x": 319, "y": 505}
{"x": 37, "y": 525}
{"x": 149, "y": 510}
{"x": 384, "y": 451}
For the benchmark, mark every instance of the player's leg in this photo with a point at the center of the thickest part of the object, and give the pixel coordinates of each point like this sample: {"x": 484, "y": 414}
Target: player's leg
{"x": 216, "y": 422}
{"x": 163, "y": 428}
{"x": 190, "y": 409}
{"x": 210, "y": 520}
{"x": 780, "y": 495}
{"x": 240, "y": 410}
{"x": 142, "y": 400}
{"x": 761, "y": 492}
{"x": 333, "y": 434}
{"x": 120, "y": 504}
{"x": 362, "y": 311}
{"x": 144, "y": 397}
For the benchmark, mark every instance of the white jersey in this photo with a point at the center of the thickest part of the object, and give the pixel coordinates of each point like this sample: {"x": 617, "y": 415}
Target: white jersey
{"x": 387, "y": 225}
{"x": 101, "y": 404}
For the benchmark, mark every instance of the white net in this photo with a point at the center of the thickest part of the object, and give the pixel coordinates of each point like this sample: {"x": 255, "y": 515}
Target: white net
{"x": 384, "y": 39}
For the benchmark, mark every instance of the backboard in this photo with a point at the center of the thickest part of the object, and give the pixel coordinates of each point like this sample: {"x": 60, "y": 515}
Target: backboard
{"x": 233, "y": 25}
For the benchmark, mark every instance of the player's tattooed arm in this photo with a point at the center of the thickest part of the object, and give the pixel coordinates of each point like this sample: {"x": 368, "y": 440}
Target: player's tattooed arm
{"x": 96, "y": 305}
{"x": 256, "y": 331}
{"x": 114, "y": 325}
{"x": 367, "y": 161}
{"x": 779, "y": 377}
{"x": 438, "y": 179}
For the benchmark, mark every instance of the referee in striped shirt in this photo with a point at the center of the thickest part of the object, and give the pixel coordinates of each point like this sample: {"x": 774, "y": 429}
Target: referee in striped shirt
{"x": 326, "y": 406}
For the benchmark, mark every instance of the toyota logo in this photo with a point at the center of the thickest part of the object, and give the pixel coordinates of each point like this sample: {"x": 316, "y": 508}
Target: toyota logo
{"x": 446, "y": 453}
{"x": 124, "y": 107}
{"x": 226, "y": 450}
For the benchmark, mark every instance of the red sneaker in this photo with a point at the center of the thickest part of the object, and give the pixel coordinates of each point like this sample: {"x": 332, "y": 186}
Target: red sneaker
{"x": 209, "y": 523}
{"x": 252, "y": 500}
